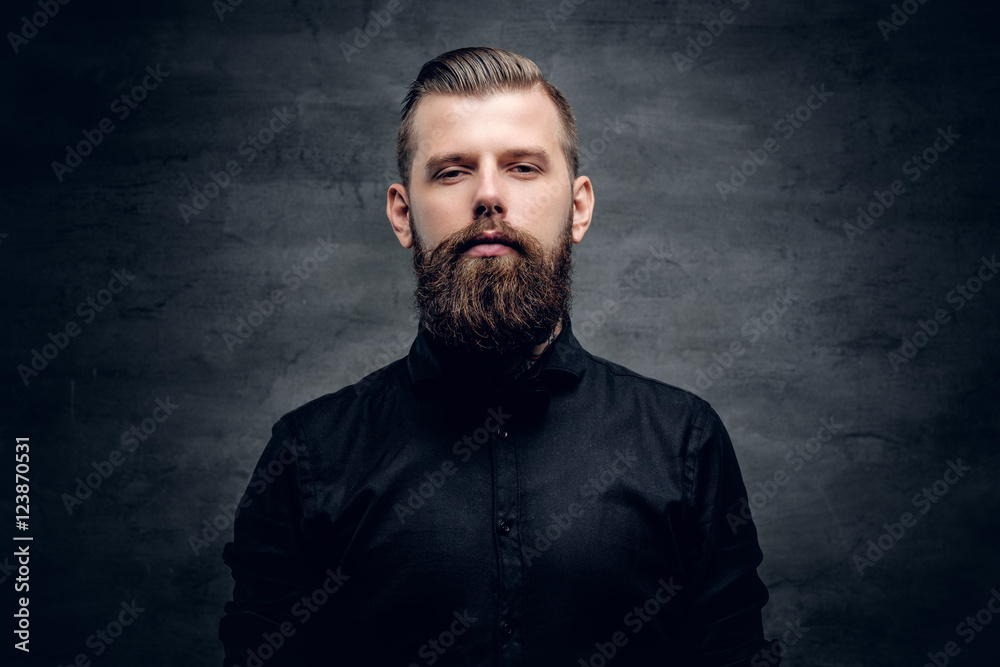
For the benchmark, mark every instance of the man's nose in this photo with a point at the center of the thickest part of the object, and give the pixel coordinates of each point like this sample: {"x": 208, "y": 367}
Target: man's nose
{"x": 489, "y": 198}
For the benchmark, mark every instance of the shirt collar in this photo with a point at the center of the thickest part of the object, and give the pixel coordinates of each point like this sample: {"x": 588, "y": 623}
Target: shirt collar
{"x": 560, "y": 366}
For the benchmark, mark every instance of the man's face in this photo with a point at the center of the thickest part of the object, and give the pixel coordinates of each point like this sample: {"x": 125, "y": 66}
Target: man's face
{"x": 491, "y": 213}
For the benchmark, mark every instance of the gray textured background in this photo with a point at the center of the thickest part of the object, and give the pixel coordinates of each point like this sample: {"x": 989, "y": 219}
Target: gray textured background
{"x": 325, "y": 175}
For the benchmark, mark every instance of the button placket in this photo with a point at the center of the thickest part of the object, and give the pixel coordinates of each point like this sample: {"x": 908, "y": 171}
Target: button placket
{"x": 506, "y": 485}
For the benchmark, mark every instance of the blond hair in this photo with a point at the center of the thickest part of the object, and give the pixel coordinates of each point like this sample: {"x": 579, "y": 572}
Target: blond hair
{"x": 480, "y": 72}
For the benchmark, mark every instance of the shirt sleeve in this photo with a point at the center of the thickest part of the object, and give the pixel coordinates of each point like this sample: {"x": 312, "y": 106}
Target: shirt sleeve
{"x": 724, "y": 594}
{"x": 272, "y": 565}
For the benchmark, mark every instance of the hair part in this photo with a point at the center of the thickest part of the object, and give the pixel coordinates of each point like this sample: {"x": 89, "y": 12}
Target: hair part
{"x": 480, "y": 72}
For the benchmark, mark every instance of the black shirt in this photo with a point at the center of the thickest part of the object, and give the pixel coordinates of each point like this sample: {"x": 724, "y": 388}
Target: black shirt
{"x": 575, "y": 516}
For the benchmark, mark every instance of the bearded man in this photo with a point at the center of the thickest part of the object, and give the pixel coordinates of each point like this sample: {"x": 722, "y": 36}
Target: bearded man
{"x": 499, "y": 496}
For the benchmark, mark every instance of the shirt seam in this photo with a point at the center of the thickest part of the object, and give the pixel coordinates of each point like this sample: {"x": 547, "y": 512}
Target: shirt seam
{"x": 303, "y": 471}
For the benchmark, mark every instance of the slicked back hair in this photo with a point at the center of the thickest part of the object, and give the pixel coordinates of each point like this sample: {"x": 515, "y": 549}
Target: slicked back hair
{"x": 480, "y": 72}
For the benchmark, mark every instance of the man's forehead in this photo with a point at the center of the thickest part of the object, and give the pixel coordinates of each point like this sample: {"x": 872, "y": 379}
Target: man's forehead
{"x": 441, "y": 118}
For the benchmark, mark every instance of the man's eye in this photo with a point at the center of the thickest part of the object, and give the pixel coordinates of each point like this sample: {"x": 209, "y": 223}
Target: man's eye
{"x": 525, "y": 169}
{"x": 451, "y": 173}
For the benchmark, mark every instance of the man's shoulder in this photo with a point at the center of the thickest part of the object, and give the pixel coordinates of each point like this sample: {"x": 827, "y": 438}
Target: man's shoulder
{"x": 653, "y": 406}
{"x": 374, "y": 387}
{"x": 624, "y": 381}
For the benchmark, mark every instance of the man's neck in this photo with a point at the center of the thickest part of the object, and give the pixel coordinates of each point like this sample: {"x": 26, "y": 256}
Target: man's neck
{"x": 500, "y": 370}
{"x": 521, "y": 366}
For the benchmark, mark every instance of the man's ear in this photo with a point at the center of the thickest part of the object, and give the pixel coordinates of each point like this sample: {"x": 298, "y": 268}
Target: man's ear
{"x": 397, "y": 208}
{"x": 583, "y": 207}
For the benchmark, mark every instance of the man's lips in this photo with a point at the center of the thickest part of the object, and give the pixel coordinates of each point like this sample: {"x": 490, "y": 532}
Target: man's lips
{"x": 490, "y": 244}
{"x": 488, "y": 250}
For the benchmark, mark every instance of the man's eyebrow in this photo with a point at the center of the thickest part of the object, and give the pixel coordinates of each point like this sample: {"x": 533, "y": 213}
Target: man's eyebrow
{"x": 536, "y": 152}
{"x": 438, "y": 160}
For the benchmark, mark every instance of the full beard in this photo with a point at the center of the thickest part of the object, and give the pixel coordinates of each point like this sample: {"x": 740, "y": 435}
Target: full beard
{"x": 492, "y": 306}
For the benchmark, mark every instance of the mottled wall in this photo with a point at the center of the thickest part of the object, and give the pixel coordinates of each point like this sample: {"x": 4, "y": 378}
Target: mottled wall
{"x": 671, "y": 134}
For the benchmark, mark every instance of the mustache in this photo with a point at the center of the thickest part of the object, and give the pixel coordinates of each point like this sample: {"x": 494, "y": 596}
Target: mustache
{"x": 486, "y": 229}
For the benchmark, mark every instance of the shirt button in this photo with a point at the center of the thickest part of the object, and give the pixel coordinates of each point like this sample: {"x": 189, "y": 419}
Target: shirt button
{"x": 505, "y": 527}
{"x": 508, "y": 629}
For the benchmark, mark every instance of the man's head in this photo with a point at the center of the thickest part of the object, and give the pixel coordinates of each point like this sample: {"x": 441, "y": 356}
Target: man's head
{"x": 490, "y": 201}
{"x": 478, "y": 73}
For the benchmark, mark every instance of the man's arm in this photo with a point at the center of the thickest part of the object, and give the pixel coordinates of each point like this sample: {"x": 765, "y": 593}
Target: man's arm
{"x": 725, "y": 595}
{"x": 271, "y": 562}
